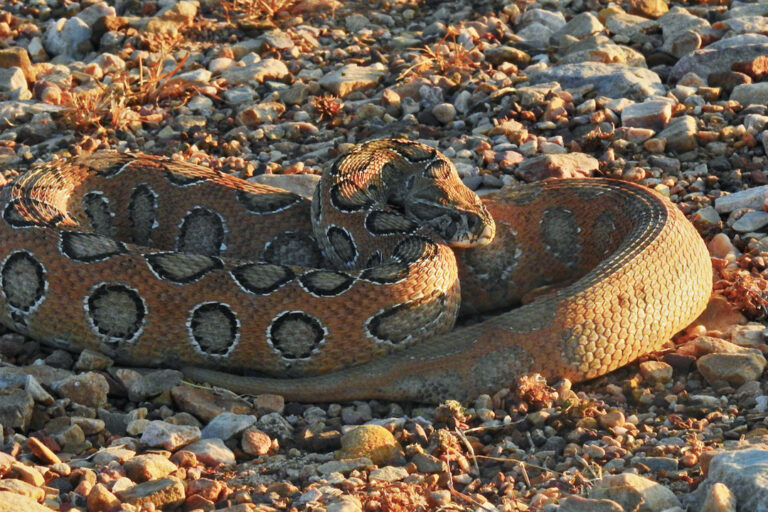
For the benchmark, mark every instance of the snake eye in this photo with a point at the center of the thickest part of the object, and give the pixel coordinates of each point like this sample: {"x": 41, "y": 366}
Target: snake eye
{"x": 438, "y": 170}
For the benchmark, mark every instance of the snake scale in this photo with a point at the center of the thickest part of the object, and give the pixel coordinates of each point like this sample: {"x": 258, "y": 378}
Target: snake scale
{"x": 155, "y": 262}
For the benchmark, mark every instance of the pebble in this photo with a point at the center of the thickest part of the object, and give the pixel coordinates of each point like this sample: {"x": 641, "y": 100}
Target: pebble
{"x": 170, "y": 437}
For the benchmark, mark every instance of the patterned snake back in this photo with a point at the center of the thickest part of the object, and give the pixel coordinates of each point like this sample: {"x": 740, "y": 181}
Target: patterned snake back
{"x": 155, "y": 262}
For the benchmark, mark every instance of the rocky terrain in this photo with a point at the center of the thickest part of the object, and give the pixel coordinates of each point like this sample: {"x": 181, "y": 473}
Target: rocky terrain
{"x": 672, "y": 96}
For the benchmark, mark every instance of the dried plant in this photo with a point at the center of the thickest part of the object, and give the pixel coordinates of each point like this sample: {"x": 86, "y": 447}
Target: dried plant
{"x": 255, "y": 10}
{"x": 445, "y": 56}
{"x": 327, "y": 107}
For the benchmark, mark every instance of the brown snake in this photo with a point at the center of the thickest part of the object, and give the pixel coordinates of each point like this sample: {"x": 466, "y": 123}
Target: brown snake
{"x": 155, "y": 262}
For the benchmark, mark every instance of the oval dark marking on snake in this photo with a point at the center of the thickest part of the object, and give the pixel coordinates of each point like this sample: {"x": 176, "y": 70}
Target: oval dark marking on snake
{"x": 96, "y": 208}
{"x": 560, "y": 233}
{"x": 214, "y": 329}
{"x": 14, "y": 218}
{"x": 374, "y": 260}
{"x": 388, "y": 325}
{"x": 439, "y": 169}
{"x": 413, "y": 152}
{"x": 296, "y": 334}
{"x": 267, "y": 203}
{"x": 342, "y": 244}
{"x": 413, "y": 248}
{"x": 326, "y": 283}
{"x": 202, "y": 231}
{"x": 385, "y": 273}
{"x": 182, "y": 267}
{"x": 185, "y": 175}
{"x": 142, "y": 213}
{"x": 24, "y": 284}
{"x": 293, "y": 248}
{"x": 355, "y": 201}
{"x": 262, "y": 278}
{"x": 89, "y": 247}
{"x": 383, "y": 222}
{"x": 116, "y": 312}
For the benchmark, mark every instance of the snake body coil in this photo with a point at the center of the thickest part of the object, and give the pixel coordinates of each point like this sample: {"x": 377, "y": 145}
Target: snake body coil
{"x": 155, "y": 262}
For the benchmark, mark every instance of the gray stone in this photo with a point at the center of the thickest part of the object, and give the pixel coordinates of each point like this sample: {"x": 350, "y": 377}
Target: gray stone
{"x": 16, "y": 407}
{"x": 706, "y": 61}
{"x": 744, "y": 472}
{"x": 580, "y": 26}
{"x": 351, "y": 78}
{"x": 227, "y": 425}
{"x": 553, "y": 20}
{"x": 680, "y": 134}
{"x": 153, "y": 384}
{"x": 212, "y": 452}
{"x": 752, "y": 198}
{"x": 267, "y": 69}
{"x": 739, "y": 40}
{"x": 89, "y": 389}
{"x": 751, "y": 94}
{"x": 731, "y": 369}
{"x": 634, "y": 492}
{"x": 13, "y": 81}
{"x": 654, "y": 114}
{"x": 163, "y": 493}
{"x": 388, "y": 474}
{"x": 751, "y": 221}
{"x": 168, "y": 436}
{"x": 63, "y": 36}
{"x": 614, "y": 81}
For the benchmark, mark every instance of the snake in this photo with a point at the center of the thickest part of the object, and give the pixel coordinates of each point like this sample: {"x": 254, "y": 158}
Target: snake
{"x": 354, "y": 294}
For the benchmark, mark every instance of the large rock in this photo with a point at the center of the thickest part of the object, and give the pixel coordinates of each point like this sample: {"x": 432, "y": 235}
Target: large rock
{"x": 751, "y": 94}
{"x": 351, "y": 78}
{"x": 744, "y": 472}
{"x": 634, "y": 492}
{"x": 65, "y": 36}
{"x": 612, "y": 80}
{"x": 706, "y": 61}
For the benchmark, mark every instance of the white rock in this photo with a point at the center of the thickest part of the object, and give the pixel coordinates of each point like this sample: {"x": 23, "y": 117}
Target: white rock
{"x": 752, "y": 198}
{"x": 63, "y": 35}
{"x": 751, "y": 221}
{"x": 12, "y": 81}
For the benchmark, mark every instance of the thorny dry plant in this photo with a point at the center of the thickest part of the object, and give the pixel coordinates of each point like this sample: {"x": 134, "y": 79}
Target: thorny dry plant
{"x": 446, "y": 56}
{"x": 113, "y": 106}
{"x": 327, "y": 106}
{"x": 746, "y": 287}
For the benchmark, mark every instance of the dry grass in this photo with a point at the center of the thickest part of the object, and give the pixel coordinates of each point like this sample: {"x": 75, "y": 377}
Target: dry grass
{"x": 446, "y": 57}
{"x": 255, "y": 10}
{"x": 129, "y": 100}
{"x": 327, "y": 107}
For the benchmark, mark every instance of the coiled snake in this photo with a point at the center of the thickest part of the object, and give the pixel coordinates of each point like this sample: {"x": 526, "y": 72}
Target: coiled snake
{"x": 161, "y": 263}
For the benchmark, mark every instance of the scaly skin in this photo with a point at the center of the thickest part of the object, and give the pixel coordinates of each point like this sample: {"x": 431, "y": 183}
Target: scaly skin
{"x": 632, "y": 271}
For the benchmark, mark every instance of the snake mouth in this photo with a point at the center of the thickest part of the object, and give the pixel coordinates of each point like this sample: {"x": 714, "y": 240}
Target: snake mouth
{"x": 463, "y": 229}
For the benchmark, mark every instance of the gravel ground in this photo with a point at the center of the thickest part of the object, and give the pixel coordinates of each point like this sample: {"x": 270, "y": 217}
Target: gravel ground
{"x": 672, "y": 96}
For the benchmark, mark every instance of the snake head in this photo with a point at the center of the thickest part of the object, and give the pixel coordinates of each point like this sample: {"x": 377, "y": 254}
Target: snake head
{"x": 438, "y": 199}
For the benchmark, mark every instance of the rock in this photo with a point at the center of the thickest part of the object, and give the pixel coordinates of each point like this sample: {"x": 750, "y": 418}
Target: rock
{"x": 553, "y": 20}
{"x": 92, "y": 360}
{"x": 426, "y": 463}
{"x": 654, "y": 114}
{"x": 12, "y": 502}
{"x": 172, "y": 18}
{"x": 751, "y": 94}
{"x": 207, "y": 404}
{"x": 266, "y": 112}
{"x": 255, "y": 442}
{"x": 656, "y": 372}
{"x": 65, "y": 36}
{"x": 23, "y": 488}
{"x": 719, "y": 499}
{"x": 17, "y": 57}
{"x": 351, "y": 78}
{"x": 575, "y": 503}
{"x": 388, "y": 474}
{"x": 743, "y": 473}
{"x": 753, "y": 199}
{"x": 570, "y": 165}
{"x": 16, "y": 406}
{"x": 42, "y": 452}
{"x": 212, "y": 452}
{"x": 278, "y": 39}
{"x": 13, "y": 82}
{"x": 732, "y": 368}
{"x": 227, "y": 425}
{"x": 153, "y": 383}
{"x": 444, "y": 112}
{"x": 148, "y": 467}
{"x": 612, "y": 80}
{"x": 89, "y": 389}
{"x": 648, "y": 8}
{"x": 162, "y": 493}
{"x": 370, "y": 441}
{"x": 170, "y": 437}
{"x": 28, "y": 474}
{"x": 721, "y": 247}
{"x": 750, "y": 335}
{"x": 751, "y": 221}
{"x": 707, "y": 60}
{"x": 634, "y": 492}
{"x": 100, "y": 499}
{"x": 680, "y": 134}
{"x": 118, "y": 454}
{"x": 267, "y": 69}
{"x": 266, "y": 403}
{"x": 343, "y": 466}
{"x": 580, "y": 26}
{"x": 500, "y": 54}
